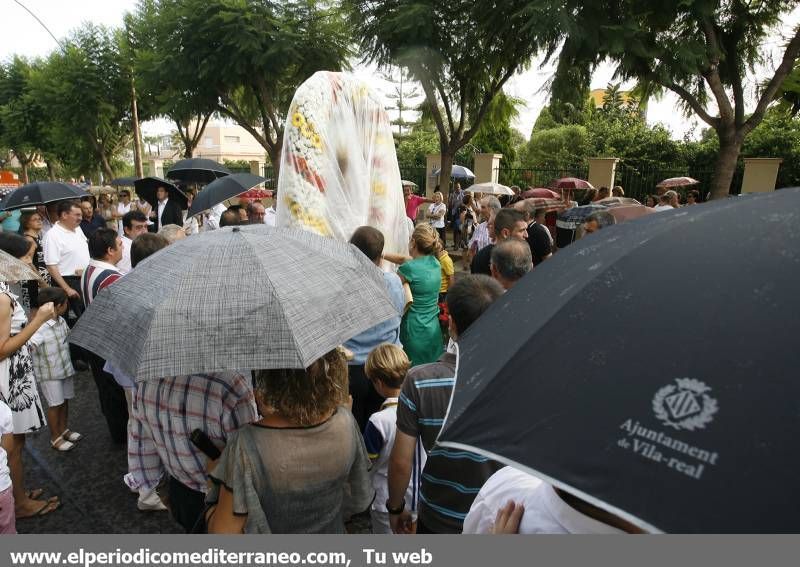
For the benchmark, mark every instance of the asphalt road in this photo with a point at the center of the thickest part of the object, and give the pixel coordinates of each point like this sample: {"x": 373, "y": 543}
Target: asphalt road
{"x": 88, "y": 479}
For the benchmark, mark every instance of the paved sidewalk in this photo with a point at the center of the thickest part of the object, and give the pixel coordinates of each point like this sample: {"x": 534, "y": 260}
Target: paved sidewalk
{"x": 88, "y": 479}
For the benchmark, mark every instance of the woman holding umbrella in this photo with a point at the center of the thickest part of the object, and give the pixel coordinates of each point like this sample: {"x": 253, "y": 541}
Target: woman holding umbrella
{"x": 17, "y": 382}
{"x": 304, "y": 459}
{"x": 419, "y": 330}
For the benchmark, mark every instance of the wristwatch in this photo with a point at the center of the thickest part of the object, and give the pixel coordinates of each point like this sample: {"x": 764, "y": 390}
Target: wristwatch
{"x": 396, "y": 511}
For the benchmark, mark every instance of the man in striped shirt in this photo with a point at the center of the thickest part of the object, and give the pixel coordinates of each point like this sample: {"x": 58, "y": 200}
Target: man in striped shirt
{"x": 105, "y": 249}
{"x": 451, "y": 479}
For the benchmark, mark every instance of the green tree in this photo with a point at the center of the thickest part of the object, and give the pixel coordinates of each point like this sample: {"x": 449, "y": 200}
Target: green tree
{"x": 461, "y": 52}
{"x": 702, "y": 50}
{"x": 566, "y": 145}
{"x": 544, "y": 121}
{"x": 164, "y": 86}
{"x": 402, "y": 93}
{"x": 789, "y": 94}
{"x": 414, "y": 146}
{"x": 618, "y": 132}
{"x": 778, "y": 136}
{"x": 250, "y": 56}
{"x": 19, "y": 124}
{"x": 495, "y": 134}
{"x": 85, "y": 90}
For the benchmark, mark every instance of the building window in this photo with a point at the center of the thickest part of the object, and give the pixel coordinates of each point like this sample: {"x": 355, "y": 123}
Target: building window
{"x": 232, "y": 139}
{"x": 208, "y": 141}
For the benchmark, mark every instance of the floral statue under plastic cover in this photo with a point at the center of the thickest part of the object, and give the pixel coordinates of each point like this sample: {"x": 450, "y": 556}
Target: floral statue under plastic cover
{"x": 339, "y": 167}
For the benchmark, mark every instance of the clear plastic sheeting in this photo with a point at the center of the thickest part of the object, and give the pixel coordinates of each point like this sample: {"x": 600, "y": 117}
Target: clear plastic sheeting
{"x": 339, "y": 167}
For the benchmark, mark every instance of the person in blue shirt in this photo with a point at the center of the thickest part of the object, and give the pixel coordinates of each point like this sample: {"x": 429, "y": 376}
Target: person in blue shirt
{"x": 10, "y": 220}
{"x": 366, "y": 400}
{"x": 91, "y": 220}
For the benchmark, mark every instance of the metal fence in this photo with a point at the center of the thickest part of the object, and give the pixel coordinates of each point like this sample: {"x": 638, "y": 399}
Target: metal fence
{"x": 636, "y": 180}
{"x": 416, "y": 174}
{"x": 639, "y": 182}
{"x": 540, "y": 176}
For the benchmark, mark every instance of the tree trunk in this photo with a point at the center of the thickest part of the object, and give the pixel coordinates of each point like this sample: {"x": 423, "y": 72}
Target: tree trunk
{"x": 108, "y": 173}
{"x": 275, "y": 158}
{"x": 725, "y": 167}
{"x": 191, "y": 141}
{"x": 445, "y": 172}
{"x": 51, "y": 172}
{"x": 137, "y": 134}
{"x": 24, "y": 165}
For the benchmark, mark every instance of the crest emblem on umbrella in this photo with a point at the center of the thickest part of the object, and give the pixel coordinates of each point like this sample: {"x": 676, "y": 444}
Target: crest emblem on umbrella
{"x": 685, "y": 404}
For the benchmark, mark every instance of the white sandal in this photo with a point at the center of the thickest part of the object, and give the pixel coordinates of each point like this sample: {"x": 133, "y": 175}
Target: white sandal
{"x": 61, "y": 444}
{"x": 72, "y": 436}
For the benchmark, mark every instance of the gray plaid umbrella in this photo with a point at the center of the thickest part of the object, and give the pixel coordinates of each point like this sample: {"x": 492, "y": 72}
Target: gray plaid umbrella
{"x": 15, "y": 270}
{"x": 242, "y": 298}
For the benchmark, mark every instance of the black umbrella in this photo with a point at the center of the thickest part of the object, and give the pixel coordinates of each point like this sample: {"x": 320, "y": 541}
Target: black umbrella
{"x": 651, "y": 369}
{"x": 40, "y": 193}
{"x": 198, "y": 170}
{"x": 222, "y": 189}
{"x": 123, "y": 181}
{"x": 146, "y": 188}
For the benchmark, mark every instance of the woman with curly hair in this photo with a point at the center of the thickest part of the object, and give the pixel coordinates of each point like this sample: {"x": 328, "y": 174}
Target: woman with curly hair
{"x": 303, "y": 467}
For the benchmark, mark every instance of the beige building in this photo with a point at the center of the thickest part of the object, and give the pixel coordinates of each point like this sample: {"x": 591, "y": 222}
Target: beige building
{"x": 222, "y": 142}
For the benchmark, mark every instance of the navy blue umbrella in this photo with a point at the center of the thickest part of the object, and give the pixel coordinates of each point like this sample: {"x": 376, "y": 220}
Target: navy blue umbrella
{"x": 651, "y": 369}
{"x": 123, "y": 181}
{"x": 147, "y": 188}
{"x": 40, "y": 193}
{"x": 222, "y": 189}
{"x": 198, "y": 170}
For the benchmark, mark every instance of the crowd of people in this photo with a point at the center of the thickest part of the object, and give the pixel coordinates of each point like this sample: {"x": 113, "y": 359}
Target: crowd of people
{"x": 283, "y": 450}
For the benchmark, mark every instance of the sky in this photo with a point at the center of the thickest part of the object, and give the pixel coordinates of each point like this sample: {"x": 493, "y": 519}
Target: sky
{"x": 23, "y": 35}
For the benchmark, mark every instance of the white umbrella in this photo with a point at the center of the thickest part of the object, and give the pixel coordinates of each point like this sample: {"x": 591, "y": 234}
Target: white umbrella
{"x": 490, "y": 188}
{"x": 458, "y": 172}
{"x": 405, "y": 182}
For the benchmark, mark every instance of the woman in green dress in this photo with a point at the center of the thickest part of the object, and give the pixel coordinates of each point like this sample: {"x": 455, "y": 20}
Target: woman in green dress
{"x": 419, "y": 331}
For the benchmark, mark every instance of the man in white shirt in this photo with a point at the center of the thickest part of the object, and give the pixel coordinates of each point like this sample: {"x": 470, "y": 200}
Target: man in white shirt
{"x": 123, "y": 208}
{"x": 66, "y": 253}
{"x": 270, "y": 215}
{"x": 481, "y": 237}
{"x": 133, "y": 223}
{"x": 168, "y": 211}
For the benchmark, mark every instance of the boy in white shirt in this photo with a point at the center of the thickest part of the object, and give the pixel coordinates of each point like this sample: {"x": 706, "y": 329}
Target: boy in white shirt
{"x": 386, "y": 368}
{"x": 53, "y": 369}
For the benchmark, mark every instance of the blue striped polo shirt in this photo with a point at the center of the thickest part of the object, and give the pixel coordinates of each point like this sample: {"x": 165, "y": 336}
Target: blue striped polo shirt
{"x": 451, "y": 478}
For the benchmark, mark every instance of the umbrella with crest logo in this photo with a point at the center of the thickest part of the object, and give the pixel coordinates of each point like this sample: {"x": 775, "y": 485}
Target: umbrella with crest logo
{"x": 593, "y": 392}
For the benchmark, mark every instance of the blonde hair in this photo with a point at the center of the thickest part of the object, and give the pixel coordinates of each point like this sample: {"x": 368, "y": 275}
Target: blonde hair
{"x": 305, "y": 396}
{"x": 425, "y": 238}
{"x": 387, "y": 363}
